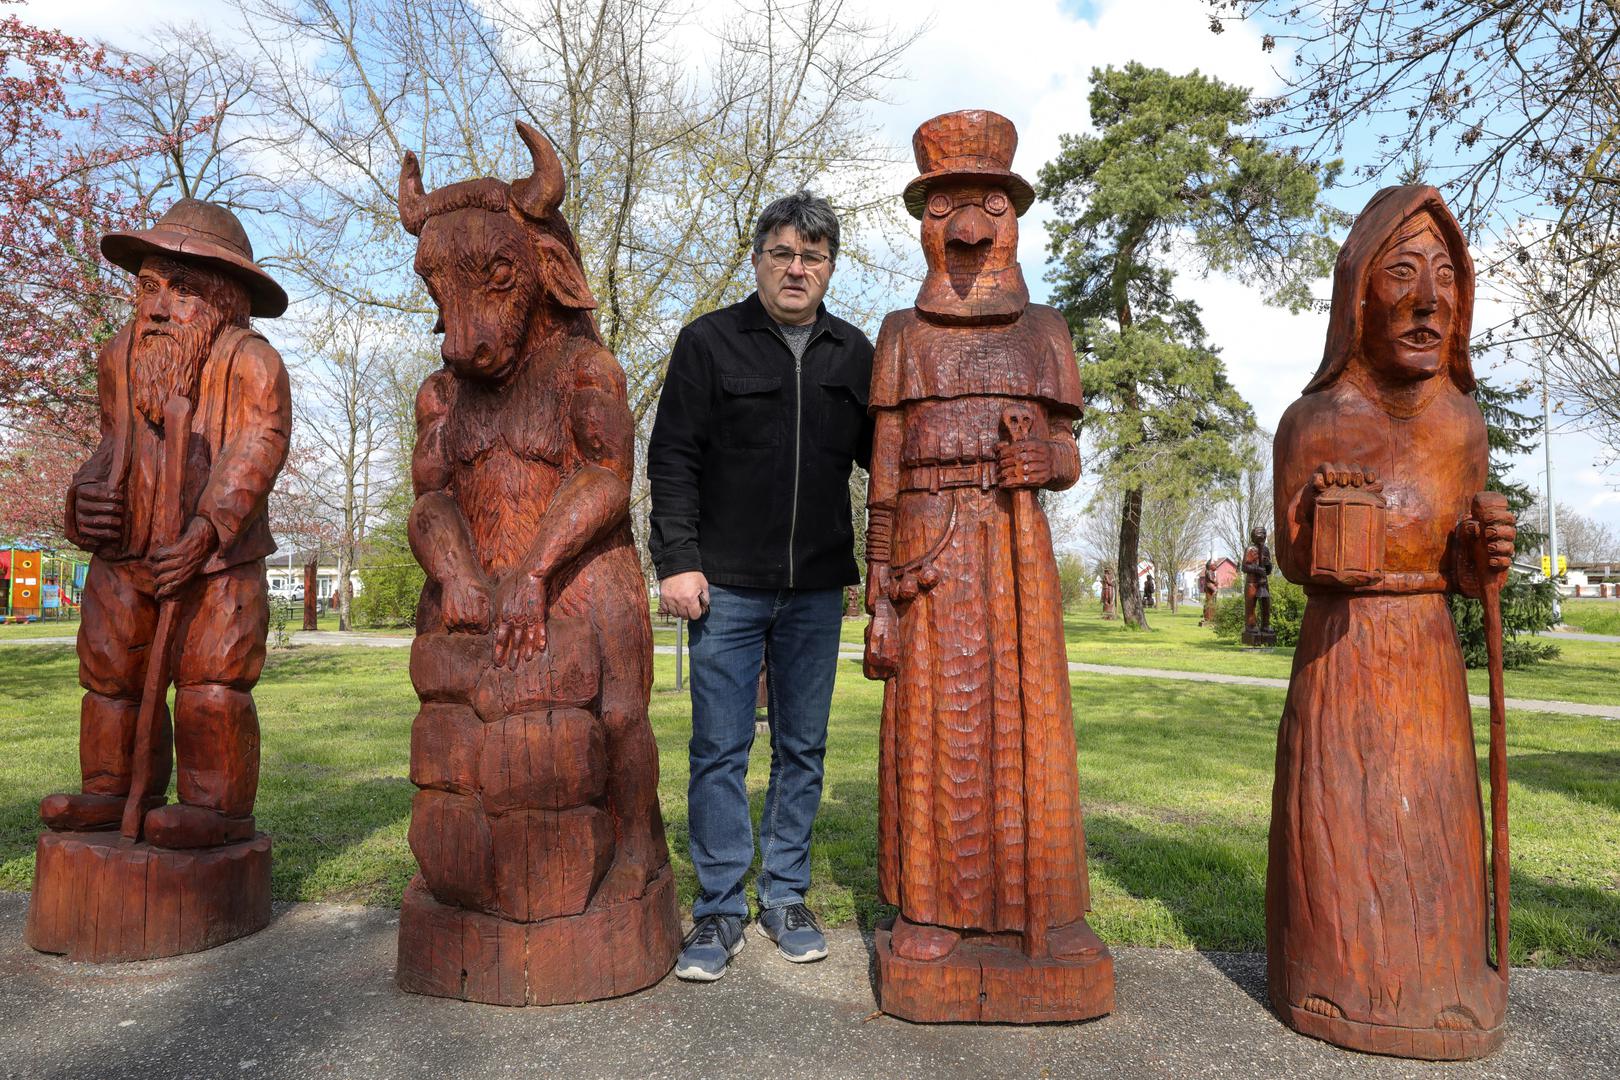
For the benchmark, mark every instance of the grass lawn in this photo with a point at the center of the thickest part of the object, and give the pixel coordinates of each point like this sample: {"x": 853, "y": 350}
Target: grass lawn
{"x": 42, "y": 629}
{"x": 1592, "y": 616}
{"x": 1175, "y": 778}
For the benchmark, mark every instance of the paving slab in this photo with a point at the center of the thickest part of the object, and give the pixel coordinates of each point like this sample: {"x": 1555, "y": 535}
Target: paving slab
{"x": 313, "y": 995}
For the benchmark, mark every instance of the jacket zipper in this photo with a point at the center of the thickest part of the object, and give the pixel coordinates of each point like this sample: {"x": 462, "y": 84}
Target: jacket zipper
{"x": 798, "y": 434}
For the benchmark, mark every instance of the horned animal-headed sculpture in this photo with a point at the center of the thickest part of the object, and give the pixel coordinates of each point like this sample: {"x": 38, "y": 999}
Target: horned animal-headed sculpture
{"x": 544, "y": 877}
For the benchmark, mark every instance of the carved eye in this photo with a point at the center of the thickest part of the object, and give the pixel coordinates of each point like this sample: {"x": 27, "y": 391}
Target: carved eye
{"x": 501, "y": 275}
{"x": 1401, "y": 271}
{"x": 996, "y": 203}
{"x": 1444, "y": 275}
{"x": 939, "y": 205}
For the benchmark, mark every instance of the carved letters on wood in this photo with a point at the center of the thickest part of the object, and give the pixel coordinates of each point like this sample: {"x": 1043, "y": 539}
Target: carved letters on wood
{"x": 980, "y": 840}
{"x": 1378, "y": 911}
{"x": 545, "y": 876}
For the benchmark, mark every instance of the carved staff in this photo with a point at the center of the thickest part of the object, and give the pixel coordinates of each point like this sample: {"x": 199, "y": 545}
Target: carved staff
{"x": 165, "y": 529}
{"x": 1017, "y": 421}
{"x": 1490, "y": 582}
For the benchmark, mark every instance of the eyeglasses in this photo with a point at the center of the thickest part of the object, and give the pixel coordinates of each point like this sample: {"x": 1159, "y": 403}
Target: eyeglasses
{"x": 782, "y": 258}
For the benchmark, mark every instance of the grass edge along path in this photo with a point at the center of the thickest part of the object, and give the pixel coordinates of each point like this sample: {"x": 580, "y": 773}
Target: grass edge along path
{"x": 1175, "y": 782}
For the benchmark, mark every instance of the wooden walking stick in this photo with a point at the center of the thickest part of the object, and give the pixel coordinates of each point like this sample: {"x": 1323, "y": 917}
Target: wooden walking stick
{"x": 165, "y": 529}
{"x": 1490, "y": 581}
{"x": 1017, "y": 421}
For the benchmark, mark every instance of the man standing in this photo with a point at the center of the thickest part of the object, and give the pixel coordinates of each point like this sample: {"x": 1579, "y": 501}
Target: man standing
{"x": 189, "y": 341}
{"x": 763, "y": 412}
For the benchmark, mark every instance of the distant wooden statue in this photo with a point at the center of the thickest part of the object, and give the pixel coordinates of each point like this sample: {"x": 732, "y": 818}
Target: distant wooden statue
{"x": 195, "y": 416}
{"x": 1149, "y": 593}
{"x": 1207, "y": 586}
{"x": 1257, "y": 629}
{"x": 1378, "y": 911}
{"x": 1110, "y": 591}
{"x": 976, "y": 395}
{"x": 545, "y": 877}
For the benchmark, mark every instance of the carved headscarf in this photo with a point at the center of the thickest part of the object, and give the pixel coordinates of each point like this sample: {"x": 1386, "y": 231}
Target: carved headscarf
{"x": 1376, "y": 226}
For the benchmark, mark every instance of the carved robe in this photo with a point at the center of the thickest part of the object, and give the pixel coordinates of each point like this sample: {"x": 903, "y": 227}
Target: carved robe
{"x": 955, "y": 797}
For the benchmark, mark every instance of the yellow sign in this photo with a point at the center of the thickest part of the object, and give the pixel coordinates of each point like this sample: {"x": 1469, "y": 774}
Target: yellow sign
{"x": 1546, "y": 565}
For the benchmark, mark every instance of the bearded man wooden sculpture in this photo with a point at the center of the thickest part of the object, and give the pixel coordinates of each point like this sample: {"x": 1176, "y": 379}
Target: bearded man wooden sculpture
{"x": 976, "y": 393}
{"x": 195, "y": 416}
{"x": 1378, "y": 913}
{"x": 544, "y": 877}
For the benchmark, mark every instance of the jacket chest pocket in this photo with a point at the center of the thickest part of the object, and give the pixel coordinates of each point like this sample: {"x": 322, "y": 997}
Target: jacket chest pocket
{"x": 750, "y": 411}
{"x": 841, "y": 414}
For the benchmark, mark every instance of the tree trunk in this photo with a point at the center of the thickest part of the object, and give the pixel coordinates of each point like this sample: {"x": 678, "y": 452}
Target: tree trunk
{"x": 311, "y": 587}
{"x": 1130, "y": 543}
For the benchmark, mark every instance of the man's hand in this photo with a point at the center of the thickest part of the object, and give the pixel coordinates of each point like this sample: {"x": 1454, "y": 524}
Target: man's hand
{"x": 1026, "y": 463}
{"x": 685, "y": 596}
{"x": 173, "y": 565}
{"x": 520, "y": 632}
{"x": 100, "y": 513}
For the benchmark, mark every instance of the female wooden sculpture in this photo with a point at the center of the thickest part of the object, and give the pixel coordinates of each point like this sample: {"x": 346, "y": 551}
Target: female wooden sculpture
{"x": 1377, "y": 915}
{"x": 976, "y": 393}
{"x": 545, "y": 876}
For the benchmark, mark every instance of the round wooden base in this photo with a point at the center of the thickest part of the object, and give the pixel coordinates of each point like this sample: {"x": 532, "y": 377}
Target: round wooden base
{"x": 988, "y": 980}
{"x": 1427, "y": 1044}
{"x": 1259, "y": 639}
{"x": 600, "y": 953}
{"x": 102, "y": 898}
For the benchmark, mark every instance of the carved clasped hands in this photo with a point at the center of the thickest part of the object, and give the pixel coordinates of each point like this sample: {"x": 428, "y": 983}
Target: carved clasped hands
{"x": 1487, "y": 542}
{"x": 99, "y": 510}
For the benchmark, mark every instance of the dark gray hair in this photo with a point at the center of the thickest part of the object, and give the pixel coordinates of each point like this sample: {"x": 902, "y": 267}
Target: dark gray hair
{"x": 810, "y": 215}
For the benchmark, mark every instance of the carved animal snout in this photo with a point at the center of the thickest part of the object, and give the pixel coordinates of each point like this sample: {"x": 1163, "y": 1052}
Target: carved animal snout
{"x": 970, "y": 226}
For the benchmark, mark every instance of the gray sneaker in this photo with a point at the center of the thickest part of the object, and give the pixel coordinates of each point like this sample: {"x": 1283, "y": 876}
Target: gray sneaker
{"x": 795, "y": 932}
{"x": 709, "y": 947}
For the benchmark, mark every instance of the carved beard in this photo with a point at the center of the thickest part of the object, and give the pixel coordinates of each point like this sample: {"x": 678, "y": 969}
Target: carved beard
{"x": 168, "y": 362}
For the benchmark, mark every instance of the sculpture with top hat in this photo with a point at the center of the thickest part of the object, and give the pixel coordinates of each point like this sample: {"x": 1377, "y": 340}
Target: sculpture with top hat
{"x": 976, "y": 393}
{"x": 195, "y": 414}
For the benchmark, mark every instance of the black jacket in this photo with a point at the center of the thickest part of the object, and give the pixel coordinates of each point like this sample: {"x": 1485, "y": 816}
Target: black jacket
{"x": 750, "y": 455}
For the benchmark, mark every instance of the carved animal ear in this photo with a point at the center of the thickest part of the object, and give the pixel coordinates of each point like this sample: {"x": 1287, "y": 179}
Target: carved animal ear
{"x": 412, "y": 199}
{"x": 539, "y": 194}
{"x": 561, "y": 273}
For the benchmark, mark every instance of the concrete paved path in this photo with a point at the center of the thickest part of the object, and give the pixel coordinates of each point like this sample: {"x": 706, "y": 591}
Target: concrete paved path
{"x": 1578, "y": 635}
{"x": 313, "y": 995}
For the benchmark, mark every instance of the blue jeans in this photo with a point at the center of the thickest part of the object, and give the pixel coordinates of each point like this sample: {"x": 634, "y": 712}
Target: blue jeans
{"x": 797, "y": 629}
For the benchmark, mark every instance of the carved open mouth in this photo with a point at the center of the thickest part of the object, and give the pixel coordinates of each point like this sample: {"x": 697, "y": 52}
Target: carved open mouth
{"x": 1421, "y": 338}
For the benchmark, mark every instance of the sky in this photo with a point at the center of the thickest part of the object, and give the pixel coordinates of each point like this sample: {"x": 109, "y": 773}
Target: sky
{"x": 1030, "y": 60}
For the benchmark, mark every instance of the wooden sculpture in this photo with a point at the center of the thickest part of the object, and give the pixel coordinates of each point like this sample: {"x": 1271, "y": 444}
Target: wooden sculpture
{"x": 545, "y": 877}
{"x": 1257, "y": 629}
{"x": 1207, "y": 585}
{"x": 195, "y": 414}
{"x": 1110, "y": 590}
{"x": 976, "y": 393}
{"x": 1378, "y": 912}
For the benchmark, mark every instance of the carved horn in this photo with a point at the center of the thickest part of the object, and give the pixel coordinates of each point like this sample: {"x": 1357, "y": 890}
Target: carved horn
{"x": 412, "y": 199}
{"x": 539, "y": 194}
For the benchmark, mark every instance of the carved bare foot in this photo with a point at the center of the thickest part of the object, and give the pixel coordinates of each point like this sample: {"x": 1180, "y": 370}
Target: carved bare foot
{"x": 182, "y": 826}
{"x": 1074, "y": 942}
{"x": 627, "y": 878}
{"x": 1321, "y": 1006}
{"x": 1457, "y": 1018}
{"x": 916, "y": 941}
{"x": 87, "y": 811}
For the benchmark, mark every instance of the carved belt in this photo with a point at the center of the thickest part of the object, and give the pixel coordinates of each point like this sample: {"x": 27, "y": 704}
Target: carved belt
{"x": 1393, "y": 583}
{"x": 979, "y": 474}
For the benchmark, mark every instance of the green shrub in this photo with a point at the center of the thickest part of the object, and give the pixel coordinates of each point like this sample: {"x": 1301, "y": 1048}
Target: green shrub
{"x": 389, "y": 591}
{"x": 1287, "y": 611}
{"x": 1074, "y": 584}
{"x": 1526, "y": 610}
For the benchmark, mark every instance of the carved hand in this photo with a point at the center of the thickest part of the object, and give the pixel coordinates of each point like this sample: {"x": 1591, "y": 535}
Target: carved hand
{"x": 1328, "y": 476}
{"x": 175, "y": 564}
{"x": 100, "y": 513}
{"x": 1489, "y": 536}
{"x": 466, "y": 606}
{"x": 520, "y": 633}
{"x": 1026, "y": 463}
{"x": 882, "y": 647}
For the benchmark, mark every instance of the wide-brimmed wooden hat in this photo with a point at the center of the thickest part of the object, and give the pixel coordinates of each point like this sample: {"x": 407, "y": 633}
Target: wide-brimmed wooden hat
{"x": 195, "y": 229}
{"x": 972, "y": 142}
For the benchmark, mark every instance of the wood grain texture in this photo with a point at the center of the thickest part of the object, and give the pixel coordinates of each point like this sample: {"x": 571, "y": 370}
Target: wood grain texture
{"x": 101, "y": 898}
{"x": 976, "y": 392}
{"x": 1378, "y": 916}
{"x": 544, "y": 871}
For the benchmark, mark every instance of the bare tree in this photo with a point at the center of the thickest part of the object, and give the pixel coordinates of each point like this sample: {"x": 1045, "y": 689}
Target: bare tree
{"x": 1582, "y": 539}
{"x": 1175, "y": 531}
{"x": 1246, "y": 502}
